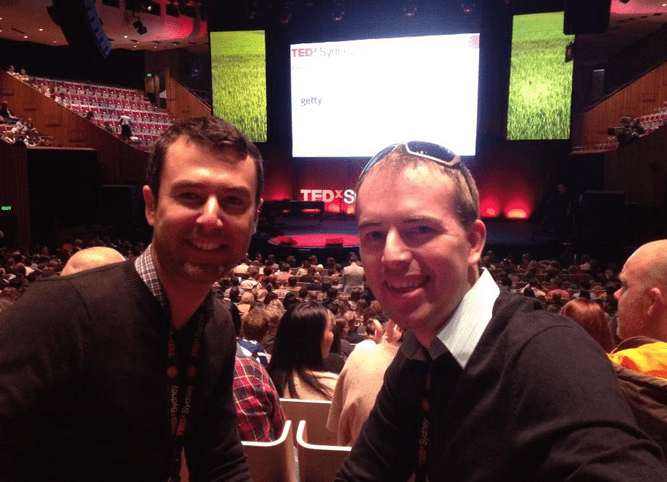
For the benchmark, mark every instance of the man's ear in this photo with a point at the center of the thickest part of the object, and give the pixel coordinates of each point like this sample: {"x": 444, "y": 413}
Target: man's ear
{"x": 657, "y": 301}
{"x": 151, "y": 205}
{"x": 476, "y": 239}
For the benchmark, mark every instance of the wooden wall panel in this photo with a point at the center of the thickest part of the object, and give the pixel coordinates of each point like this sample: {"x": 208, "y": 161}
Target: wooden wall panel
{"x": 120, "y": 163}
{"x": 14, "y": 192}
{"x": 182, "y": 104}
{"x": 643, "y": 96}
{"x": 639, "y": 170}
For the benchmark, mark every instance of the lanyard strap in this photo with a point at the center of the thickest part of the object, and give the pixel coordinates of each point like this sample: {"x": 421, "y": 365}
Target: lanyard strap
{"x": 182, "y": 385}
{"x": 182, "y": 374}
{"x": 448, "y": 374}
{"x": 422, "y": 451}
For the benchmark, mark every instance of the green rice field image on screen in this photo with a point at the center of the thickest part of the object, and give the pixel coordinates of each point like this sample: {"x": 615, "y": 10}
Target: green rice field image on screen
{"x": 238, "y": 64}
{"x": 540, "y": 80}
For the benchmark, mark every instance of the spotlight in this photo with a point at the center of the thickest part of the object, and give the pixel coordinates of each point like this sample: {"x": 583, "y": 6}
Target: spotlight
{"x": 409, "y": 10}
{"x": 141, "y": 28}
{"x": 468, "y": 6}
{"x": 338, "y": 10}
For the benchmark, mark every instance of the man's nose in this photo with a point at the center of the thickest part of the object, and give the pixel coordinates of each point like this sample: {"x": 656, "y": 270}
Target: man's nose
{"x": 211, "y": 216}
{"x": 396, "y": 251}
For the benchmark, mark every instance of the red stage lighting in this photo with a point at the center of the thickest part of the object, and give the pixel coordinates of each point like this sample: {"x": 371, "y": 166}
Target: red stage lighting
{"x": 489, "y": 207}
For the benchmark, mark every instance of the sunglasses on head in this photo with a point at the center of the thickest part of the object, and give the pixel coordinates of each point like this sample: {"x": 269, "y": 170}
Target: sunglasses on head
{"x": 426, "y": 150}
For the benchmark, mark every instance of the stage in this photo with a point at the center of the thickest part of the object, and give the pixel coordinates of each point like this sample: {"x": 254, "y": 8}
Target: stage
{"x": 336, "y": 236}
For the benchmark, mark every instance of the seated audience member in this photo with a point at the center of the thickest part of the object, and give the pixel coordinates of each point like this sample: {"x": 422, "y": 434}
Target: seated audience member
{"x": 291, "y": 284}
{"x": 303, "y": 294}
{"x": 281, "y": 289}
{"x": 231, "y": 304}
{"x": 254, "y": 327}
{"x": 340, "y": 324}
{"x": 640, "y": 359}
{"x": 234, "y": 294}
{"x": 534, "y": 284}
{"x": 91, "y": 258}
{"x": 374, "y": 332}
{"x": 283, "y": 273}
{"x": 261, "y": 295}
{"x": 506, "y": 282}
{"x": 309, "y": 277}
{"x": 289, "y": 301}
{"x": 315, "y": 284}
{"x": 274, "y": 311}
{"x": 247, "y": 299}
{"x": 242, "y": 267}
{"x": 302, "y": 343}
{"x": 642, "y": 311}
{"x": 358, "y": 385}
{"x": 23, "y": 75}
{"x": 6, "y": 114}
{"x": 315, "y": 263}
{"x": 8, "y": 137}
{"x": 252, "y": 280}
{"x": 352, "y": 322}
{"x": 335, "y": 361}
{"x": 261, "y": 418}
{"x": 592, "y": 318}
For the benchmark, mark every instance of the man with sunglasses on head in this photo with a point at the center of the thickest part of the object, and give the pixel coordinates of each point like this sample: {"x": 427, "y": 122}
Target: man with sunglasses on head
{"x": 486, "y": 386}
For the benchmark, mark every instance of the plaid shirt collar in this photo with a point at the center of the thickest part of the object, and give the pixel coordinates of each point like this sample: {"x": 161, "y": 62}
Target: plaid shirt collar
{"x": 148, "y": 273}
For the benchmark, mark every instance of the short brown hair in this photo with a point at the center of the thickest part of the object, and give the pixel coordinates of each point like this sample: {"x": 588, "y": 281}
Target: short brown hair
{"x": 255, "y": 325}
{"x": 209, "y": 132}
{"x": 466, "y": 196}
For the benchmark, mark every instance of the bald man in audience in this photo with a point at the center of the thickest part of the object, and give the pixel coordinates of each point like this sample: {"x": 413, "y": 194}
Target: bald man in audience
{"x": 91, "y": 258}
{"x": 642, "y": 299}
{"x": 641, "y": 357}
{"x": 642, "y": 311}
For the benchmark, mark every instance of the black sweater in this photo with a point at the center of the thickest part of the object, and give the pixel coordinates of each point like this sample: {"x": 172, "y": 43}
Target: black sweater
{"x": 83, "y": 386}
{"x": 537, "y": 401}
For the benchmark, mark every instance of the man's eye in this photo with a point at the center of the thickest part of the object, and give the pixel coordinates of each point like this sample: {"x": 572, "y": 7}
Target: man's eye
{"x": 424, "y": 230}
{"x": 235, "y": 203}
{"x": 234, "y": 200}
{"x": 189, "y": 196}
{"x": 374, "y": 236}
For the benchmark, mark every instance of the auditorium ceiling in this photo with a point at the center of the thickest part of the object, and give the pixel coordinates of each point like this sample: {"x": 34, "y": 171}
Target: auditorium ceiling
{"x": 29, "y": 21}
